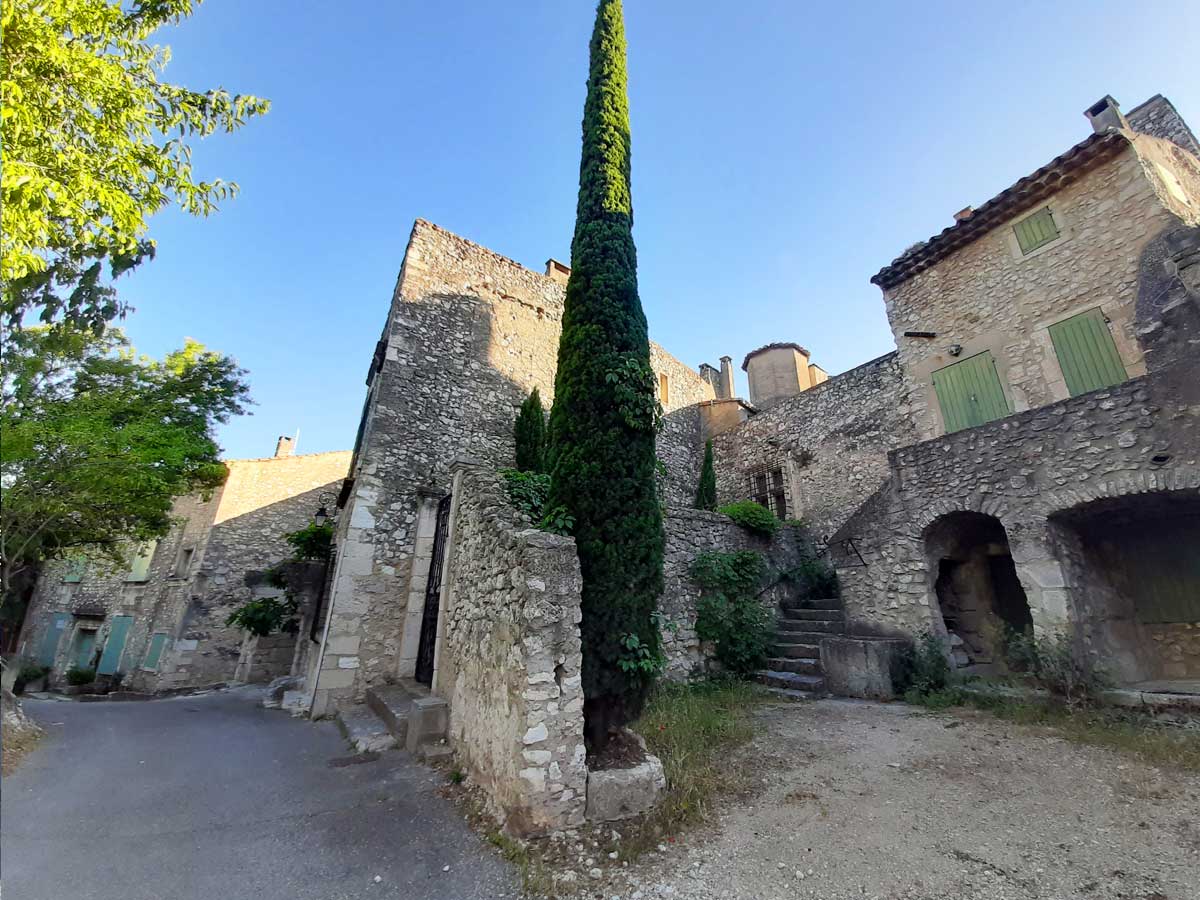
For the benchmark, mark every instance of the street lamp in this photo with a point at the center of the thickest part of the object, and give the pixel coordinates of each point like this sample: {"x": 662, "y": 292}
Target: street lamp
{"x": 325, "y": 499}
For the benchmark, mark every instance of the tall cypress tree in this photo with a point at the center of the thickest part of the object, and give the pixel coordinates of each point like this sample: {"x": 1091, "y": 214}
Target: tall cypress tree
{"x": 529, "y": 432}
{"x": 603, "y": 422}
{"x": 706, "y": 490}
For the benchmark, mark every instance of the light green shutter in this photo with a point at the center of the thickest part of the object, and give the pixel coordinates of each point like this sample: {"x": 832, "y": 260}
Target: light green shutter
{"x": 140, "y": 569}
{"x": 1036, "y": 230}
{"x": 155, "y": 652}
{"x": 110, "y": 659}
{"x": 1086, "y": 353}
{"x": 969, "y": 392}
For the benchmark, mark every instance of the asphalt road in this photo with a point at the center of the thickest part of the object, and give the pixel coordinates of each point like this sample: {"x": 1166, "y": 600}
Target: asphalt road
{"x": 213, "y": 798}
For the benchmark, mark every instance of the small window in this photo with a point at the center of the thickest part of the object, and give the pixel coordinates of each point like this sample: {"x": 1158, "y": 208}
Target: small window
{"x": 140, "y": 569}
{"x": 1036, "y": 230}
{"x": 1087, "y": 353}
{"x": 664, "y": 390}
{"x": 154, "y": 652}
{"x": 184, "y": 563}
{"x": 766, "y": 489}
{"x": 75, "y": 567}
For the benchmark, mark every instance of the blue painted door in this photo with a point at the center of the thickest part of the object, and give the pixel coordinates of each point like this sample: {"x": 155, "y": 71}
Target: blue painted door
{"x": 115, "y": 645}
{"x": 50, "y": 640}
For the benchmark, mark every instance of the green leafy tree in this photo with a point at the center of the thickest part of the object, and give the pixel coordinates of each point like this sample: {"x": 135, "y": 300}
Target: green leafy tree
{"x": 604, "y": 418}
{"x": 94, "y": 144}
{"x": 96, "y": 442}
{"x": 530, "y": 433}
{"x": 706, "y": 490}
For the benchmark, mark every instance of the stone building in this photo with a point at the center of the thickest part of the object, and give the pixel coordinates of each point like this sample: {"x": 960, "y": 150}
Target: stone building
{"x": 160, "y": 624}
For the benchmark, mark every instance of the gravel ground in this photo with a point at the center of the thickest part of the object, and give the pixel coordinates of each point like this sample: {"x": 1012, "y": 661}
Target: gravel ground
{"x": 864, "y": 800}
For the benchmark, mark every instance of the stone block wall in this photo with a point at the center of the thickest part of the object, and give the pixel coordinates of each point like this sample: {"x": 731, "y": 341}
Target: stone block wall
{"x": 1159, "y": 118}
{"x": 690, "y": 532}
{"x": 470, "y": 333}
{"x": 831, "y": 442}
{"x": 509, "y": 657}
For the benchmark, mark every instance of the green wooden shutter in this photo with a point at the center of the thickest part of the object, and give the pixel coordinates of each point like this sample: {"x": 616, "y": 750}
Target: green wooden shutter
{"x": 155, "y": 652}
{"x": 1036, "y": 230}
{"x": 85, "y": 644}
{"x": 48, "y": 651}
{"x": 140, "y": 569}
{"x": 1086, "y": 353}
{"x": 115, "y": 645}
{"x": 969, "y": 392}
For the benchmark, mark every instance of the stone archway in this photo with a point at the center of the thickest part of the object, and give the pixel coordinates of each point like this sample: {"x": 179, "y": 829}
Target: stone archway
{"x": 974, "y": 581}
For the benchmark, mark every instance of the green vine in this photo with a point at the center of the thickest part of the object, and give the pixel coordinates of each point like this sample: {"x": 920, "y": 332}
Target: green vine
{"x": 527, "y": 491}
{"x": 633, "y": 389}
{"x": 729, "y": 613}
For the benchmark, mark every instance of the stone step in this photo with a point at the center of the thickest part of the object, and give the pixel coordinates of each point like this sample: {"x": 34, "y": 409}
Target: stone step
{"x": 799, "y": 666}
{"x": 788, "y": 693}
{"x": 823, "y": 615}
{"x": 823, "y": 603}
{"x": 798, "y": 651}
{"x": 802, "y": 637}
{"x": 813, "y": 684}
{"x": 364, "y": 730}
{"x": 831, "y": 626}
{"x": 392, "y": 704}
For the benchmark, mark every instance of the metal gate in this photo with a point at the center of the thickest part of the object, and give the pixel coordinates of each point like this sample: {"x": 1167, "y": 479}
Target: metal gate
{"x": 433, "y": 593}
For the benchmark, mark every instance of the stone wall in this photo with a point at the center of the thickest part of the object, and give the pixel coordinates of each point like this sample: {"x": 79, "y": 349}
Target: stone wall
{"x": 470, "y": 334}
{"x": 680, "y": 448}
{"x": 690, "y": 532}
{"x": 831, "y": 442}
{"x": 509, "y": 657}
{"x": 1158, "y": 117}
{"x": 1035, "y": 472}
{"x": 987, "y": 296}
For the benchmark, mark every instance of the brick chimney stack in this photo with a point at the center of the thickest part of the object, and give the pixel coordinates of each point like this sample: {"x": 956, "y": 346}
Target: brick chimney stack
{"x": 283, "y": 447}
{"x": 560, "y": 272}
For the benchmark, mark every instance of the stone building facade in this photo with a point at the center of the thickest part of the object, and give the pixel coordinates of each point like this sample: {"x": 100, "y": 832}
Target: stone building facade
{"x": 160, "y": 624}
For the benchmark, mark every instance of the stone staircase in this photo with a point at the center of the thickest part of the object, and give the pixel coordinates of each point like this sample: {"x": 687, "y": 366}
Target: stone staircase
{"x": 401, "y": 715}
{"x": 795, "y": 669}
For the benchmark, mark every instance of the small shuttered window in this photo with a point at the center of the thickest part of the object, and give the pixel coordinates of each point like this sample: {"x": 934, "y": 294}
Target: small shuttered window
{"x": 154, "y": 652}
{"x": 969, "y": 392}
{"x": 1087, "y": 353}
{"x": 1036, "y": 230}
{"x": 139, "y": 570}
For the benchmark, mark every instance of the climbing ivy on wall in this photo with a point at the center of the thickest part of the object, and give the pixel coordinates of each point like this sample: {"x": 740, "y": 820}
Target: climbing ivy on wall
{"x": 602, "y": 426}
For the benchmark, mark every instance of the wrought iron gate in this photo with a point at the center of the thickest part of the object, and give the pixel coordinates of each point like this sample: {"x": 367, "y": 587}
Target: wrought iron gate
{"x": 433, "y": 593}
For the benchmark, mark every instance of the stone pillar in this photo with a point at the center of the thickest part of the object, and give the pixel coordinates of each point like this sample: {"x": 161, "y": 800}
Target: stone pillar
{"x": 725, "y": 387}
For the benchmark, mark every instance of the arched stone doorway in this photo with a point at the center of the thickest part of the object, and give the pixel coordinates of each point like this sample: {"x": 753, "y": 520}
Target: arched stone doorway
{"x": 1132, "y": 564}
{"x": 979, "y": 596}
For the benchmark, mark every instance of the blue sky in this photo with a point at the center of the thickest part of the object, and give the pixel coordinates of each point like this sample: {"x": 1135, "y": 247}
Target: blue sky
{"x": 783, "y": 153}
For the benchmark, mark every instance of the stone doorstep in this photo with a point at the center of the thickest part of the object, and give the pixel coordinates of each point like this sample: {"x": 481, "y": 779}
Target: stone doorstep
{"x": 812, "y": 684}
{"x": 798, "y": 651}
{"x": 364, "y": 730}
{"x": 798, "y": 666}
{"x": 392, "y": 704}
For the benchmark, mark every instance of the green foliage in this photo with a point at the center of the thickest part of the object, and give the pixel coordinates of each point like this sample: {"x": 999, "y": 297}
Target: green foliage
{"x": 94, "y": 142}
{"x": 752, "y": 516}
{"x": 603, "y": 423}
{"x": 530, "y": 433}
{"x": 265, "y": 616}
{"x": 313, "y": 541}
{"x": 815, "y": 578}
{"x": 77, "y": 676}
{"x": 1053, "y": 663}
{"x": 729, "y": 613}
{"x": 706, "y": 490}
{"x": 28, "y": 672}
{"x": 527, "y": 491}
{"x": 923, "y": 668}
{"x": 640, "y": 658}
{"x": 96, "y": 443}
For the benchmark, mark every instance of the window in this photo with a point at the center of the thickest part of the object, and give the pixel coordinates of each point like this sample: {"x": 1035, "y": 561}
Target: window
{"x": 664, "y": 390}
{"x": 154, "y": 652}
{"x": 140, "y": 569}
{"x": 1086, "y": 353}
{"x": 1036, "y": 230}
{"x": 969, "y": 392}
{"x": 75, "y": 567}
{"x": 766, "y": 489}
{"x": 184, "y": 563}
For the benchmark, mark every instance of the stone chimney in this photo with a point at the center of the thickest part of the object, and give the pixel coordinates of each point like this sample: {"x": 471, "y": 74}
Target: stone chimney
{"x": 283, "y": 447}
{"x": 963, "y": 214}
{"x": 725, "y": 389}
{"x": 560, "y": 272}
{"x": 1106, "y": 113}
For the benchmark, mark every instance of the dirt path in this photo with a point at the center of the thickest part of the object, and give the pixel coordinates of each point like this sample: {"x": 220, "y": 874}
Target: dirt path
{"x": 884, "y": 801}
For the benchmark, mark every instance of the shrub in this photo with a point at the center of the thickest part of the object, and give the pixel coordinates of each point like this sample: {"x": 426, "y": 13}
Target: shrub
{"x": 729, "y": 613}
{"x": 77, "y": 676}
{"x": 923, "y": 669}
{"x": 1053, "y": 663}
{"x": 313, "y": 541}
{"x": 752, "y": 516}
{"x": 815, "y": 578}
{"x": 527, "y": 492}
{"x": 28, "y": 672}
{"x": 706, "y": 490}
{"x": 529, "y": 432}
{"x": 265, "y": 616}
